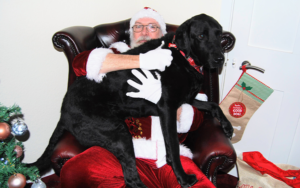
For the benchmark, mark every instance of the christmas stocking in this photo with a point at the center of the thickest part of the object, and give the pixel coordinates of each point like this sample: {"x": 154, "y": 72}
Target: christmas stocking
{"x": 246, "y": 96}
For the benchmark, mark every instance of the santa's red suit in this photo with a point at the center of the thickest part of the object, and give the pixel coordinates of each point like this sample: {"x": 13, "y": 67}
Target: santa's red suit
{"x": 100, "y": 168}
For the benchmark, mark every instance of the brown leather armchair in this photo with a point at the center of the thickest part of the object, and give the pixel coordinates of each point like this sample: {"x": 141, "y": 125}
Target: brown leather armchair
{"x": 213, "y": 152}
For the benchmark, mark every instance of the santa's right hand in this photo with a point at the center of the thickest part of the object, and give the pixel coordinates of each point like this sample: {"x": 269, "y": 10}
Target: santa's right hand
{"x": 156, "y": 59}
{"x": 150, "y": 89}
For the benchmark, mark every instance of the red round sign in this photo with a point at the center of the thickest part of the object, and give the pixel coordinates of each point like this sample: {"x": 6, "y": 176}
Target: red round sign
{"x": 237, "y": 109}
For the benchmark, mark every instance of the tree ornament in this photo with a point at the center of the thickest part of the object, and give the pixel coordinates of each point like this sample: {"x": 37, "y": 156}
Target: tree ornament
{"x": 19, "y": 150}
{"x": 38, "y": 183}
{"x": 4, "y": 130}
{"x": 17, "y": 181}
{"x": 4, "y": 161}
{"x": 19, "y": 128}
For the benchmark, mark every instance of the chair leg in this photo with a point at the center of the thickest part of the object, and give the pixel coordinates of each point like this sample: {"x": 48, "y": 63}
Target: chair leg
{"x": 212, "y": 169}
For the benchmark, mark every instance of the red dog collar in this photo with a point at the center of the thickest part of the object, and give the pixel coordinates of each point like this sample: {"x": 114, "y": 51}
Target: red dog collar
{"x": 189, "y": 59}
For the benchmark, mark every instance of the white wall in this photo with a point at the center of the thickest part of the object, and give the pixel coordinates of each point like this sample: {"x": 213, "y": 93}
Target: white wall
{"x": 34, "y": 75}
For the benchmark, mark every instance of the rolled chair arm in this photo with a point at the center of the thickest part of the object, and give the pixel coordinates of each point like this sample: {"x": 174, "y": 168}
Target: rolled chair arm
{"x": 77, "y": 38}
{"x": 66, "y": 148}
{"x": 72, "y": 41}
{"x": 213, "y": 151}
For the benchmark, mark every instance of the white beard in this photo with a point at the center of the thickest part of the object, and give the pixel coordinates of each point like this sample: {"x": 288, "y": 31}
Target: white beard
{"x": 134, "y": 43}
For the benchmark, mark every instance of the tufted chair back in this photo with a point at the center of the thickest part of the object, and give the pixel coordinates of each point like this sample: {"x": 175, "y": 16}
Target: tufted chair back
{"x": 74, "y": 40}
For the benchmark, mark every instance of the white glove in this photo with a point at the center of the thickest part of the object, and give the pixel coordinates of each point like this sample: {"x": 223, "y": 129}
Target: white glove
{"x": 156, "y": 59}
{"x": 150, "y": 88}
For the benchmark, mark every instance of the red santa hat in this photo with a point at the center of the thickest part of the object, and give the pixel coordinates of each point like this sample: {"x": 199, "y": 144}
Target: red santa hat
{"x": 150, "y": 13}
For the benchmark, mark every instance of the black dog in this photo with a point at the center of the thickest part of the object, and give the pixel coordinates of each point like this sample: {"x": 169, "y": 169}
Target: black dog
{"x": 95, "y": 112}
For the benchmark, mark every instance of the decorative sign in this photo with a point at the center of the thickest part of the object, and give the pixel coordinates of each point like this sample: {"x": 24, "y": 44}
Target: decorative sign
{"x": 237, "y": 109}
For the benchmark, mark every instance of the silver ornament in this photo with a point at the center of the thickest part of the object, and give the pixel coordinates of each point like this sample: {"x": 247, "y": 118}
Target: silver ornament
{"x": 38, "y": 184}
{"x": 19, "y": 128}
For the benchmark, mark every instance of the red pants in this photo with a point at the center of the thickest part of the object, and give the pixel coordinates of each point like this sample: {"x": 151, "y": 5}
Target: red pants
{"x": 97, "y": 167}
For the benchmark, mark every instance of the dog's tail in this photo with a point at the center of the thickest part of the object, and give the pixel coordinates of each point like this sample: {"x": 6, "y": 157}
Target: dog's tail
{"x": 44, "y": 162}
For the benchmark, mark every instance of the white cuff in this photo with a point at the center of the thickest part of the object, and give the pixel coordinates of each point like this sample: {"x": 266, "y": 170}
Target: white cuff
{"x": 201, "y": 97}
{"x": 186, "y": 119}
{"x": 94, "y": 63}
{"x": 120, "y": 46}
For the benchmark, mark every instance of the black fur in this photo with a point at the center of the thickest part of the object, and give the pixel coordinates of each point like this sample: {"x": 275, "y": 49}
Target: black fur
{"x": 95, "y": 112}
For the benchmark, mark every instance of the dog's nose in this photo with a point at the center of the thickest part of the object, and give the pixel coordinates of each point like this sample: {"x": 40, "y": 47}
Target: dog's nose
{"x": 219, "y": 59}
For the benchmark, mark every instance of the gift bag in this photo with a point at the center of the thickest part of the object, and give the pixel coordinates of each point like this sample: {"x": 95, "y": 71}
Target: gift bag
{"x": 257, "y": 172}
{"x": 245, "y": 97}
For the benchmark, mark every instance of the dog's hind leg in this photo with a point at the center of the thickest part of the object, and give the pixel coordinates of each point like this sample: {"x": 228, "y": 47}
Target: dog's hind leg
{"x": 115, "y": 137}
{"x": 169, "y": 129}
{"x": 44, "y": 162}
{"x": 123, "y": 150}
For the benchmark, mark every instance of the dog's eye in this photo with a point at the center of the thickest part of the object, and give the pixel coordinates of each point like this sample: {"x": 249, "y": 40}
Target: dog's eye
{"x": 201, "y": 36}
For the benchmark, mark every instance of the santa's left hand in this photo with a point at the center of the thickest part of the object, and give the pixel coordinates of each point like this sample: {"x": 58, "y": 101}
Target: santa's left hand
{"x": 150, "y": 88}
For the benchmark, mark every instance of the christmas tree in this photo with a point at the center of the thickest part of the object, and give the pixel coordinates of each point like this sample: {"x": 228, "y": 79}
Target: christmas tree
{"x": 13, "y": 172}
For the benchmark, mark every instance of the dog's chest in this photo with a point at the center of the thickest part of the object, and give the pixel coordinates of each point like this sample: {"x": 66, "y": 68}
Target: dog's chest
{"x": 181, "y": 78}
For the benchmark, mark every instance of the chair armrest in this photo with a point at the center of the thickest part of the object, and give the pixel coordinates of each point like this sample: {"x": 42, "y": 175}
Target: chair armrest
{"x": 66, "y": 148}
{"x": 213, "y": 151}
{"x": 77, "y": 38}
{"x": 72, "y": 41}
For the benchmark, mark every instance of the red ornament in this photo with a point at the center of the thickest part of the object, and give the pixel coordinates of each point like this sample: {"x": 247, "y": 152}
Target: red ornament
{"x": 4, "y": 130}
{"x": 237, "y": 109}
{"x": 18, "y": 149}
{"x": 17, "y": 181}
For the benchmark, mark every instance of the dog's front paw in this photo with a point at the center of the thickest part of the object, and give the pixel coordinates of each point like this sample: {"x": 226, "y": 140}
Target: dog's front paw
{"x": 188, "y": 181}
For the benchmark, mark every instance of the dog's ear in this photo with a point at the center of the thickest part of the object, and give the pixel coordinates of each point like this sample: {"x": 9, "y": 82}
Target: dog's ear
{"x": 183, "y": 37}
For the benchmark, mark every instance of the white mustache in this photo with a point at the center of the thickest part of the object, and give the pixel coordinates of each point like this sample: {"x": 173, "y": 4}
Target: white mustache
{"x": 143, "y": 38}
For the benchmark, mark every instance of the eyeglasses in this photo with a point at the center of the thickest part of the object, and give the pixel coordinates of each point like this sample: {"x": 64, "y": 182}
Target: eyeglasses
{"x": 151, "y": 28}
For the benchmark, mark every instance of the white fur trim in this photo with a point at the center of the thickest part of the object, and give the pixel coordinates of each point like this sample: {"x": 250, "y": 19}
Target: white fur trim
{"x": 201, "y": 97}
{"x": 120, "y": 46}
{"x": 144, "y": 148}
{"x": 186, "y": 118}
{"x": 94, "y": 63}
{"x": 161, "y": 154}
{"x": 156, "y": 132}
{"x": 150, "y": 13}
{"x": 185, "y": 151}
{"x": 155, "y": 150}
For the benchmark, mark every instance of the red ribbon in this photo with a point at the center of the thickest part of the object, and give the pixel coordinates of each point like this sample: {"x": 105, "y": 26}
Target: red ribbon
{"x": 244, "y": 68}
{"x": 189, "y": 59}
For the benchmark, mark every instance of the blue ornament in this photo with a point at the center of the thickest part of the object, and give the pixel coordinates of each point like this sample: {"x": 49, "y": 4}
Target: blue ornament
{"x": 5, "y": 161}
{"x": 19, "y": 128}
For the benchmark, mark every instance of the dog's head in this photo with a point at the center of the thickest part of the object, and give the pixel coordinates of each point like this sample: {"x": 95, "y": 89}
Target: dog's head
{"x": 200, "y": 38}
